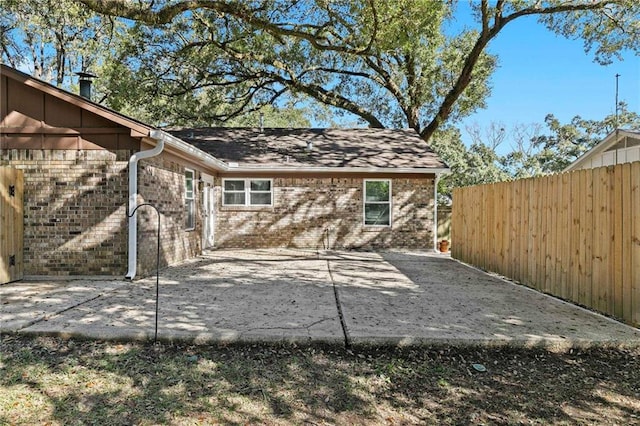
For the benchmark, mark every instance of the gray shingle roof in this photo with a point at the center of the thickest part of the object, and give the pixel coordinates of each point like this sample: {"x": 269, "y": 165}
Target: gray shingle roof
{"x": 365, "y": 148}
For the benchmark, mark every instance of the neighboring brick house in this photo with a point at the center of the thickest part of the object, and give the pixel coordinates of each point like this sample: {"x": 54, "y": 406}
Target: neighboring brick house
{"x": 85, "y": 167}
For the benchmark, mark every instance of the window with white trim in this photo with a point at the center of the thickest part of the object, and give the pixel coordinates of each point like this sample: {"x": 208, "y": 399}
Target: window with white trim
{"x": 189, "y": 200}
{"x": 377, "y": 202}
{"x": 247, "y": 192}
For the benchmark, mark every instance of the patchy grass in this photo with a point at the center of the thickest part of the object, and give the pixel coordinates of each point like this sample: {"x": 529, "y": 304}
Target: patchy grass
{"x": 53, "y": 381}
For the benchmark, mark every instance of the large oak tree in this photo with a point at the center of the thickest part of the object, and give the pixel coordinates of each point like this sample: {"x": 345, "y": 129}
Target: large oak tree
{"x": 390, "y": 63}
{"x": 54, "y": 39}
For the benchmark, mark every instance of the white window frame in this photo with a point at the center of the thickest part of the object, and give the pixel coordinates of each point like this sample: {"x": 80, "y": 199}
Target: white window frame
{"x": 190, "y": 200}
{"x": 248, "y": 192}
{"x": 365, "y": 202}
{"x": 224, "y": 192}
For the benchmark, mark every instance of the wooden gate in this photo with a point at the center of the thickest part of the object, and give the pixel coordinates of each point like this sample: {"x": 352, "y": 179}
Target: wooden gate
{"x": 11, "y": 224}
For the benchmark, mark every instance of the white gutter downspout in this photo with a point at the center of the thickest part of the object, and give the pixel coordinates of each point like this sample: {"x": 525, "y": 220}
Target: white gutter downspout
{"x": 133, "y": 197}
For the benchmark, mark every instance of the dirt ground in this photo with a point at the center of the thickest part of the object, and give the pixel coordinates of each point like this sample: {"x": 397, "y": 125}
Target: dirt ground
{"x": 45, "y": 380}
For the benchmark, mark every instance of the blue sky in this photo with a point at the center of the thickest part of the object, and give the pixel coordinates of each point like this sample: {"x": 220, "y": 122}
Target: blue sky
{"x": 541, "y": 73}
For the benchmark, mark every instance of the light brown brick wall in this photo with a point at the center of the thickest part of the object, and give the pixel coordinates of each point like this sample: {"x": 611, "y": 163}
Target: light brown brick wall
{"x": 328, "y": 212}
{"x": 75, "y": 210}
{"x": 161, "y": 183}
{"x": 75, "y": 213}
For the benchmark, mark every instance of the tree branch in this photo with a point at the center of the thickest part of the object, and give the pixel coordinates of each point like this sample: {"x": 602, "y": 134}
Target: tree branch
{"x": 486, "y": 35}
{"x": 294, "y": 83}
{"x": 237, "y": 9}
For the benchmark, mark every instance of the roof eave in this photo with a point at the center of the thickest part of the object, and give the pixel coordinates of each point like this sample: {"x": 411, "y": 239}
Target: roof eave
{"x": 224, "y": 166}
{"x": 611, "y": 139}
{"x": 307, "y": 169}
{"x": 189, "y": 149}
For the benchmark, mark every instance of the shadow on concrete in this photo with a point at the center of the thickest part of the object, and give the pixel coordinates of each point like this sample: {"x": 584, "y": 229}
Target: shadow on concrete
{"x": 385, "y": 298}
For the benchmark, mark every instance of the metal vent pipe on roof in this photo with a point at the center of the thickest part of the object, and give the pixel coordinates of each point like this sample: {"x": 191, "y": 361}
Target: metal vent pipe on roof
{"x": 85, "y": 83}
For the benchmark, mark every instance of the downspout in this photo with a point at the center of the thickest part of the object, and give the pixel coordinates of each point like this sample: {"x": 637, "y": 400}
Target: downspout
{"x": 133, "y": 198}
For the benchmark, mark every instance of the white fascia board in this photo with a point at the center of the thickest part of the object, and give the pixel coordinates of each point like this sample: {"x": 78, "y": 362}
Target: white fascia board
{"x": 611, "y": 139}
{"x": 599, "y": 147}
{"x": 276, "y": 169}
{"x": 191, "y": 150}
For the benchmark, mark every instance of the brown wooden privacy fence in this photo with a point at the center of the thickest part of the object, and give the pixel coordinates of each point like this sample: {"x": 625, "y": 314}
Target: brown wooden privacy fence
{"x": 574, "y": 235}
{"x": 11, "y": 224}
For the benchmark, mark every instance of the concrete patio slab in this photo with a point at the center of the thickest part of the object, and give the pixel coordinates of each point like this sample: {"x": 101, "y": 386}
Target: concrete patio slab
{"x": 393, "y": 297}
{"x": 406, "y": 298}
{"x": 25, "y": 303}
{"x": 226, "y": 296}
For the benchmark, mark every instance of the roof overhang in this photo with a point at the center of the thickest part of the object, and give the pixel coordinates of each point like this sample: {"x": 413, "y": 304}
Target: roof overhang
{"x": 149, "y": 134}
{"x": 190, "y": 150}
{"x": 311, "y": 169}
{"x": 610, "y": 140}
{"x": 137, "y": 128}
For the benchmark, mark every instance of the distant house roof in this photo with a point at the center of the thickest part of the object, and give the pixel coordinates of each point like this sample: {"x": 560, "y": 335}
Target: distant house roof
{"x": 315, "y": 148}
{"x": 618, "y": 139}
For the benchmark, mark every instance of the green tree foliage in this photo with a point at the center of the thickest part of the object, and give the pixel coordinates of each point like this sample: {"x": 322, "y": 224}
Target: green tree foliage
{"x": 474, "y": 165}
{"x": 54, "y": 39}
{"x": 387, "y": 63}
{"x": 390, "y": 63}
{"x": 536, "y": 149}
{"x": 564, "y": 143}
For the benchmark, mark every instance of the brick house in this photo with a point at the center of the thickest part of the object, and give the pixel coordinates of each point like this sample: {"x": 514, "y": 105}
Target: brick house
{"x": 86, "y": 167}
{"x": 305, "y": 187}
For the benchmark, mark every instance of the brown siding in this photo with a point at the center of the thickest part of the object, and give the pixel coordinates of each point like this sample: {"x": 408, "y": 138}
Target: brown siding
{"x": 31, "y": 119}
{"x": 313, "y": 212}
{"x": 76, "y": 188}
{"x": 92, "y": 120}
{"x": 3, "y": 97}
{"x": 74, "y": 210}
{"x": 61, "y": 114}
{"x": 25, "y": 105}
